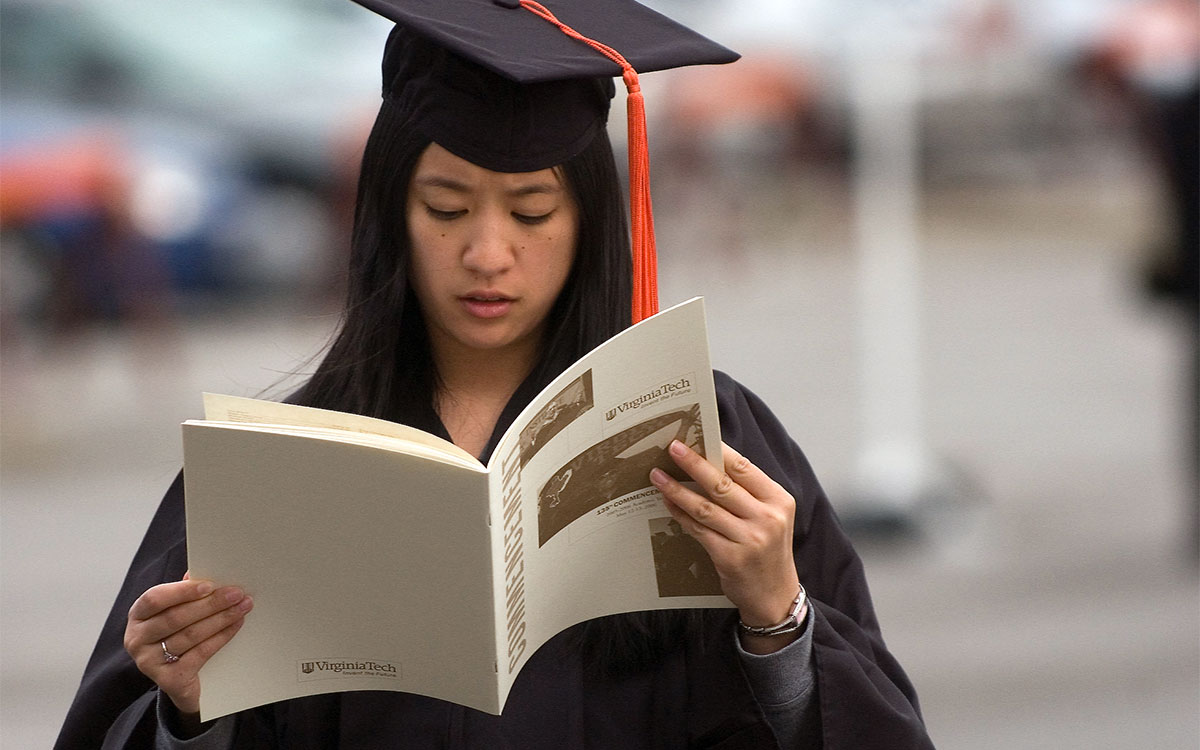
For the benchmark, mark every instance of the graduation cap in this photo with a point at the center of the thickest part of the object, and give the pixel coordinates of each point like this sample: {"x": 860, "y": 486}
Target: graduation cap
{"x": 518, "y": 86}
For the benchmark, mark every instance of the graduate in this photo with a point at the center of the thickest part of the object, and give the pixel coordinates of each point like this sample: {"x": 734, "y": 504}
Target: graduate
{"x": 490, "y": 250}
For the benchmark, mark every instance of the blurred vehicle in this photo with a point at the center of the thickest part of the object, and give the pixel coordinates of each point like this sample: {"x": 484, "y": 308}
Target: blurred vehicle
{"x": 212, "y": 135}
{"x": 103, "y": 217}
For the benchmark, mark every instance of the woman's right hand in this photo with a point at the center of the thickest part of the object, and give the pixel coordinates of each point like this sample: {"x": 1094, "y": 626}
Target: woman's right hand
{"x": 187, "y": 619}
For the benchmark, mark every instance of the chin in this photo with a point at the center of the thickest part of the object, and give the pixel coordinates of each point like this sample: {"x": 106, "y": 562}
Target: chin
{"x": 483, "y": 338}
{"x": 489, "y": 343}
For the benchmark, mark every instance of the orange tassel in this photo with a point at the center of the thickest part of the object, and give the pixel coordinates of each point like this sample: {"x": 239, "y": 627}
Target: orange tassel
{"x": 645, "y": 256}
{"x": 641, "y": 215}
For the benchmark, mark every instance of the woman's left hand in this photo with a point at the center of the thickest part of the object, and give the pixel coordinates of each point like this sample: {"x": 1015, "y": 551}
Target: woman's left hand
{"x": 744, "y": 520}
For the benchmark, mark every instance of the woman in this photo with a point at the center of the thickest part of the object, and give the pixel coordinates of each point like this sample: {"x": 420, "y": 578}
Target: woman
{"x": 478, "y": 273}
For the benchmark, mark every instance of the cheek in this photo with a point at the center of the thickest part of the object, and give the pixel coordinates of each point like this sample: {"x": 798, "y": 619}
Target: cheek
{"x": 560, "y": 269}
{"x": 428, "y": 243}
{"x": 558, "y": 254}
{"x": 423, "y": 263}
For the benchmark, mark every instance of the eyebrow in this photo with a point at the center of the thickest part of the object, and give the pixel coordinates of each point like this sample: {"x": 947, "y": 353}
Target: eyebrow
{"x": 447, "y": 183}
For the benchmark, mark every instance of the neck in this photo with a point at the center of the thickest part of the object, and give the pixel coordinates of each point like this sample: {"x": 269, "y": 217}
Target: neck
{"x": 485, "y": 374}
{"x": 474, "y": 388}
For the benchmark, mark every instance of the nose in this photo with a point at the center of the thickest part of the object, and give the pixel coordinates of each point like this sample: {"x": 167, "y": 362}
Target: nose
{"x": 490, "y": 250}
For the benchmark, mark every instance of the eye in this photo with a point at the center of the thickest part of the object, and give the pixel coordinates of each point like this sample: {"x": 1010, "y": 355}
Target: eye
{"x": 441, "y": 215}
{"x": 532, "y": 220}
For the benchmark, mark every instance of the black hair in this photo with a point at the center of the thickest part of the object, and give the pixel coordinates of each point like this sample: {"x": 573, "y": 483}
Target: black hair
{"x": 379, "y": 363}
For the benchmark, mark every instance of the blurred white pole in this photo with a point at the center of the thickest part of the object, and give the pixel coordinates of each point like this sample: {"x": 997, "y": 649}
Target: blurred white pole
{"x": 893, "y": 472}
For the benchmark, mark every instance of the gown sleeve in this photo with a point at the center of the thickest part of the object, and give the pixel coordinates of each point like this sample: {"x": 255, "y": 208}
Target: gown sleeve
{"x": 864, "y": 699}
{"x": 782, "y": 684}
{"x": 218, "y": 736}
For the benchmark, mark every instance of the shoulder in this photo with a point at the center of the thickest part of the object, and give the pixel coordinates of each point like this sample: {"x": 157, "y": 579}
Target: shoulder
{"x": 739, "y": 407}
{"x": 750, "y": 427}
{"x": 747, "y": 420}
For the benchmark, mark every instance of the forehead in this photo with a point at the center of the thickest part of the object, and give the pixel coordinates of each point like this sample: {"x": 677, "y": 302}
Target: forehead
{"x": 438, "y": 168}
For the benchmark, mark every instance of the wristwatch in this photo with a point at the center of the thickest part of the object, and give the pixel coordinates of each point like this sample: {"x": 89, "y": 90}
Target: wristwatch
{"x": 790, "y": 624}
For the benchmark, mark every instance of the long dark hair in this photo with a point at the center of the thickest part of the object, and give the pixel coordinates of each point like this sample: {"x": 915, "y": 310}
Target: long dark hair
{"x": 379, "y": 362}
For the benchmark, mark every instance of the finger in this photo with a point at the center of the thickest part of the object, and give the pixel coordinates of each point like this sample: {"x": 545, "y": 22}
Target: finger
{"x": 175, "y": 619}
{"x": 179, "y": 679}
{"x": 187, "y": 638}
{"x": 691, "y": 526}
{"x": 718, "y": 485}
{"x": 698, "y": 515}
{"x": 199, "y": 655}
{"x": 753, "y": 479}
{"x": 167, "y": 595}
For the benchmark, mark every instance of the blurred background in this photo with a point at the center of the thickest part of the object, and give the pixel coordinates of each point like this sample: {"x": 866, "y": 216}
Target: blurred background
{"x": 952, "y": 243}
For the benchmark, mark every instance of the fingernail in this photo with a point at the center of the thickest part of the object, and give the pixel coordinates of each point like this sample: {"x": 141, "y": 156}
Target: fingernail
{"x": 234, "y": 595}
{"x": 658, "y": 476}
{"x": 245, "y": 605}
{"x": 677, "y": 448}
{"x": 204, "y": 588}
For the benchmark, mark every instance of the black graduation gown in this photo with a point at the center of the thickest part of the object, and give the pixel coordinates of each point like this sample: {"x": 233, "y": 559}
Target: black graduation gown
{"x": 696, "y": 697}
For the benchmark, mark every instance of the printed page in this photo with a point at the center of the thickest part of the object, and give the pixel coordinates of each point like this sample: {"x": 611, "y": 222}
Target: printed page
{"x": 583, "y": 532}
{"x": 221, "y": 408}
{"x": 370, "y": 570}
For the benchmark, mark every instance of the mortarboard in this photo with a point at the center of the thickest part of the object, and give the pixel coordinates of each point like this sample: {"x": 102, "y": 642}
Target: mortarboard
{"x": 518, "y": 86}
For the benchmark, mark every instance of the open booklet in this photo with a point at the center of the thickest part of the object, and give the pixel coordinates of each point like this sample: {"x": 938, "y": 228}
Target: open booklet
{"x": 381, "y": 557}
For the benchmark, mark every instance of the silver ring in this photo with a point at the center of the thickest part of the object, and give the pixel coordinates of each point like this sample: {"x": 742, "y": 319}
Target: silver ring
{"x": 171, "y": 658}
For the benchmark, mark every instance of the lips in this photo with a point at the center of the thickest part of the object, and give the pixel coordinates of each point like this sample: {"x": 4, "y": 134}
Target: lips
{"x": 486, "y": 304}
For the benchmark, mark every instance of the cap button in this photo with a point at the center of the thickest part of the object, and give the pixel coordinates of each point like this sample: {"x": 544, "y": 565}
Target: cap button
{"x": 510, "y": 4}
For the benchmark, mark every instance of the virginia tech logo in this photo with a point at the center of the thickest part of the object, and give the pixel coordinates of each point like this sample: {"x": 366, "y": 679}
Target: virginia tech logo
{"x": 325, "y": 669}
